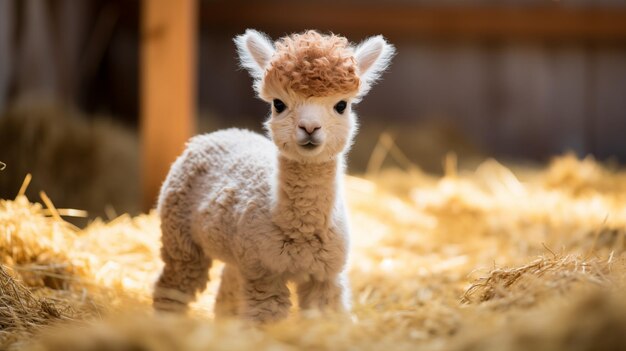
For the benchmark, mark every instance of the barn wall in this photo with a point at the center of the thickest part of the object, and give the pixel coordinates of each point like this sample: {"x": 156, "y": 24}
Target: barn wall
{"x": 6, "y": 33}
{"x": 525, "y": 100}
{"x": 508, "y": 97}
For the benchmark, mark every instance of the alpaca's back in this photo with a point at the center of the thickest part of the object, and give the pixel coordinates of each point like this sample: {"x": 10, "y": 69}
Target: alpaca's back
{"x": 230, "y": 157}
{"x": 230, "y": 167}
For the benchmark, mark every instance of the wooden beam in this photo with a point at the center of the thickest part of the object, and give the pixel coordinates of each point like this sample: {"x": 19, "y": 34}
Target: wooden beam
{"x": 168, "y": 49}
{"x": 535, "y": 22}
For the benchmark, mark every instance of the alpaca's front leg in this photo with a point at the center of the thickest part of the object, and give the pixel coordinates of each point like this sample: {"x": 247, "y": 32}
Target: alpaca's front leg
{"x": 265, "y": 299}
{"x": 180, "y": 281}
{"x": 327, "y": 295}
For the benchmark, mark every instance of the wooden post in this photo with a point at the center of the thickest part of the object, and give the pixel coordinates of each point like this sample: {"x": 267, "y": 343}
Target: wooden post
{"x": 168, "y": 62}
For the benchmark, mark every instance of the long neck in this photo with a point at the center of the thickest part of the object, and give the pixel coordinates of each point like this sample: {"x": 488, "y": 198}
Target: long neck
{"x": 305, "y": 197}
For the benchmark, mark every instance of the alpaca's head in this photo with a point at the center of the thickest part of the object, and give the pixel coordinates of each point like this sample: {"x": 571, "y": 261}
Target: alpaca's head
{"x": 311, "y": 81}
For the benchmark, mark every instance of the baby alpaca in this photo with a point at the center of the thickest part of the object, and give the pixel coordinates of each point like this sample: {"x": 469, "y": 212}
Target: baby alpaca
{"x": 271, "y": 209}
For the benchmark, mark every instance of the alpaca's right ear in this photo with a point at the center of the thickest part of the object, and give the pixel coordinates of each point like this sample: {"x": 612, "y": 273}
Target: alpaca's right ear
{"x": 255, "y": 51}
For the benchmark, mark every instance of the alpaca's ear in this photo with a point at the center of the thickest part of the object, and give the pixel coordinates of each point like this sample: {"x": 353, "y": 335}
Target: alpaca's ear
{"x": 372, "y": 56}
{"x": 255, "y": 51}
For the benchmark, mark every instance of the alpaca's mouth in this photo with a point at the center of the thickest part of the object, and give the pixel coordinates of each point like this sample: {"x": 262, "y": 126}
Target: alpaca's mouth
{"x": 309, "y": 145}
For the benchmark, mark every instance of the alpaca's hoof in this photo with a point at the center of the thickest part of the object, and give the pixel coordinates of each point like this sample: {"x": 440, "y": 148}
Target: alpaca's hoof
{"x": 170, "y": 300}
{"x": 170, "y": 306}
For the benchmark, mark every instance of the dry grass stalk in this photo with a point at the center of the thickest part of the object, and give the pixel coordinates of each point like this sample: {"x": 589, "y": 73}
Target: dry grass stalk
{"x": 21, "y": 312}
{"x": 524, "y": 284}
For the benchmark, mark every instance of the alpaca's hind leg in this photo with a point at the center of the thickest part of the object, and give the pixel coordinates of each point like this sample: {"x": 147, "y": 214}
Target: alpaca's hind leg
{"x": 184, "y": 275}
{"x": 327, "y": 295}
{"x": 265, "y": 299}
{"x": 228, "y": 298}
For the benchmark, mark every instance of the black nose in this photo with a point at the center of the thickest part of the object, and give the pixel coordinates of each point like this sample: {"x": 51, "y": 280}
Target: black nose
{"x": 309, "y": 129}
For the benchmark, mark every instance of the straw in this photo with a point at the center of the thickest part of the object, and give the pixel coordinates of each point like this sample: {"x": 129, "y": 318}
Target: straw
{"x": 468, "y": 261}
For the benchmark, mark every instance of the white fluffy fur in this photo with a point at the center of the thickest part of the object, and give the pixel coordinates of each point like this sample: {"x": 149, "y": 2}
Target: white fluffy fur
{"x": 272, "y": 210}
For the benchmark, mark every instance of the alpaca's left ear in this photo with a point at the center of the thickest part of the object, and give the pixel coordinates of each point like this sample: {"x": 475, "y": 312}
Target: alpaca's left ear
{"x": 372, "y": 56}
{"x": 255, "y": 51}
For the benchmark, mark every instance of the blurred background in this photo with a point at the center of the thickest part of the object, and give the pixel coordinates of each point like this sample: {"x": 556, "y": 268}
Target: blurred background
{"x": 96, "y": 96}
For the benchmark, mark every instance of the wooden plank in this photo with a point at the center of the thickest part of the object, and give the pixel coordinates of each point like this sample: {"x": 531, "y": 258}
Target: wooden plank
{"x": 551, "y": 21}
{"x": 568, "y": 105}
{"x": 7, "y": 13}
{"x": 168, "y": 48}
{"x": 36, "y": 66}
{"x": 608, "y": 112}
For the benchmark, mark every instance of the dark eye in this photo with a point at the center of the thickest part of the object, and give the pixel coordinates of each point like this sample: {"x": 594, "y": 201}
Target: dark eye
{"x": 279, "y": 106}
{"x": 341, "y": 106}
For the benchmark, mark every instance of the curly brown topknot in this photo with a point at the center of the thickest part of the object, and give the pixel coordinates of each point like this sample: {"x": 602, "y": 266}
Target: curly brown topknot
{"x": 312, "y": 64}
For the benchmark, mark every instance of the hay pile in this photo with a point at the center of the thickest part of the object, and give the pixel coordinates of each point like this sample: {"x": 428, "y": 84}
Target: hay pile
{"x": 64, "y": 149}
{"x": 483, "y": 260}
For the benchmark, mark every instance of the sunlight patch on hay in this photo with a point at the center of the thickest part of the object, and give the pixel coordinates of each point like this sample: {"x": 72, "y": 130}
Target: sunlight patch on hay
{"x": 35, "y": 243}
{"x": 585, "y": 177}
